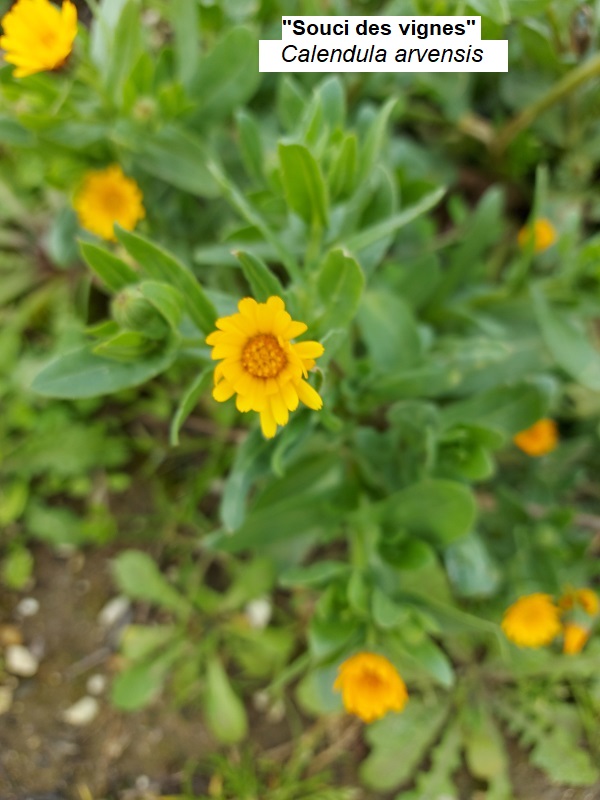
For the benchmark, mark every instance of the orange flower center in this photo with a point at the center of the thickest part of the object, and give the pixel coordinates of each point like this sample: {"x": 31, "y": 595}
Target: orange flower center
{"x": 371, "y": 681}
{"x": 113, "y": 201}
{"x": 263, "y": 356}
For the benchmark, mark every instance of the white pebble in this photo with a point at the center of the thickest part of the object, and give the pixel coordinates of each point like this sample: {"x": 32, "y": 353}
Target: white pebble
{"x": 82, "y": 712}
{"x": 113, "y": 611}
{"x": 28, "y": 607}
{"x": 5, "y": 699}
{"x": 20, "y": 661}
{"x": 259, "y": 612}
{"x": 96, "y": 684}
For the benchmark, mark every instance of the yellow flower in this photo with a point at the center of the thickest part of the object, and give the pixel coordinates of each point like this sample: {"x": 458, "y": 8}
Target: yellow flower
{"x": 539, "y": 440}
{"x": 587, "y": 599}
{"x": 107, "y": 196}
{"x": 532, "y": 621}
{"x": 575, "y": 638}
{"x": 370, "y": 686}
{"x": 37, "y": 36}
{"x": 544, "y": 235}
{"x": 261, "y": 365}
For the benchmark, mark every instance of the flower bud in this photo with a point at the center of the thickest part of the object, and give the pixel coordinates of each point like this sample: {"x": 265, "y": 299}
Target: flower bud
{"x": 135, "y": 313}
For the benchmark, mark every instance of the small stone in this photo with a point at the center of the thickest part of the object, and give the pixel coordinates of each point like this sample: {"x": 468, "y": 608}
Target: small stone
{"x": 259, "y": 612}
{"x": 5, "y": 699}
{"x": 82, "y": 712}
{"x": 113, "y": 612}
{"x": 28, "y": 607}
{"x": 10, "y": 634}
{"x": 20, "y": 661}
{"x": 96, "y": 684}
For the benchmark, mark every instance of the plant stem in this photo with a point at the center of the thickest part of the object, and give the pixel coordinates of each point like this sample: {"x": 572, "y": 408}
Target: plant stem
{"x": 571, "y": 81}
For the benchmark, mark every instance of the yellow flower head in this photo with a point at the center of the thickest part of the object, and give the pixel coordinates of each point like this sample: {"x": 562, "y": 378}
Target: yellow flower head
{"x": 587, "y": 599}
{"x": 574, "y": 638}
{"x": 261, "y": 365}
{"x": 532, "y": 621}
{"x": 370, "y": 686}
{"x": 107, "y": 196}
{"x": 544, "y": 235}
{"x": 38, "y": 36}
{"x": 539, "y": 440}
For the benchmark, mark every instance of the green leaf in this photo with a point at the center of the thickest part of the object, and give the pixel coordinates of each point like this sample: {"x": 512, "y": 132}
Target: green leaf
{"x": 262, "y": 281}
{"x": 13, "y": 500}
{"x": 188, "y": 402}
{"x": 114, "y": 273}
{"x": 124, "y": 50}
{"x": 251, "y": 461}
{"x": 224, "y": 712}
{"x": 340, "y": 283}
{"x": 251, "y": 144}
{"x": 185, "y": 21}
{"x": 321, "y": 573}
{"x": 399, "y": 742}
{"x": 315, "y": 692}
{"x": 363, "y": 239}
{"x": 14, "y": 134}
{"x": 343, "y": 172}
{"x": 437, "y": 782}
{"x": 509, "y": 409}
{"x": 497, "y": 10}
{"x": 175, "y": 156}
{"x": 303, "y": 183}
{"x": 162, "y": 266}
{"x": 484, "y": 746}
{"x": 81, "y": 373}
{"x": 137, "y": 576}
{"x": 440, "y": 509}
{"x": 327, "y": 637}
{"x": 430, "y": 658}
{"x": 137, "y": 642}
{"x": 140, "y": 684}
{"x": 17, "y": 568}
{"x": 227, "y": 77}
{"x": 389, "y": 330}
{"x": 373, "y": 144}
{"x": 387, "y": 614}
{"x": 470, "y": 568}
{"x": 569, "y": 345}
{"x": 103, "y": 26}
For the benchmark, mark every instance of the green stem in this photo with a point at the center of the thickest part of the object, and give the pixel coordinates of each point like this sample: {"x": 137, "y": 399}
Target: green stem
{"x": 571, "y": 81}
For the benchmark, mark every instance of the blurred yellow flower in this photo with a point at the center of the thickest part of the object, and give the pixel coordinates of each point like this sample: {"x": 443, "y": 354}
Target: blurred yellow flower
{"x": 532, "y": 621}
{"x": 370, "y": 686}
{"x": 107, "y": 196}
{"x": 539, "y": 440}
{"x": 38, "y": 36}
{"x": 587, "y": 599}
{"x": 261, "y": 365}
{"x": 544, "y": 235}
{"x": 575, "y": 638}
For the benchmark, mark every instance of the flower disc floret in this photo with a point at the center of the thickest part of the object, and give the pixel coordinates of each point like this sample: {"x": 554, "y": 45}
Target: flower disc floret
{"x": 370, "y": 686}
{"x": 38, "y": 37}
{"x": 261, "y": 365}
{"x": 533, "y": 621}
{"x": 106, "y": 197}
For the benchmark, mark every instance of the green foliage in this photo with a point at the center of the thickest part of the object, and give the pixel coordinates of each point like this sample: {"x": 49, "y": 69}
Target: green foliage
{"x": 384, "y": 210}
